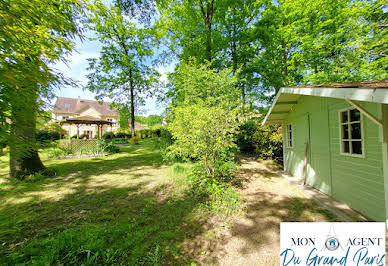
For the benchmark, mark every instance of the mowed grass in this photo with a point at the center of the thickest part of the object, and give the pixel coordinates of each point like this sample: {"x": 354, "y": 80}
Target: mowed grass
{"x": 119, "y": 209}
{"x": 132, "y": 208}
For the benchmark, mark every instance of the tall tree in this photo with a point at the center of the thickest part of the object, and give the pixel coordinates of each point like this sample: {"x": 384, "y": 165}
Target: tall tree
{"x": 204, "y": 112}
{"x": 34, "y": 34}
{"x": 123, "y": 70}
{"x": 191, "y": 28}
{"x": 280, "y": 43}
{"x": 306, "y": 41}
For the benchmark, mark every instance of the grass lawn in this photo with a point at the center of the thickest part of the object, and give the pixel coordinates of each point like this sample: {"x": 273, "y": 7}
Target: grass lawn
{"x": 131, "y": 208}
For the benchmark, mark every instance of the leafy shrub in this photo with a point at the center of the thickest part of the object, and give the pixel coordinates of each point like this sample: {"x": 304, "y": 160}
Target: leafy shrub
{"x": 3, "y": 144}
{"x": 122, "y": 135}
{"x": 135, "y": 139}
{"x": 245, "y": 138}
{"x": 269, "y": 143}
{"x": 58, "y": 151}
{"x": 119, "y": 140}
{"x": 44, "y": 136}
{"x": 108, "y": 135}
{"x": 84, "y": 136}
{"x": 162, "y": 142}
{"x": 217, "y": 196}
{"x": 263, "y": 141}
{"x": 107, "y": 146}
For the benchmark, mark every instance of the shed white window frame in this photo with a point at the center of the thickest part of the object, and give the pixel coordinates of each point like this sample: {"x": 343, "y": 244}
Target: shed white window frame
{"x": 64, "y": 117}
{"x": 289, "y": 140}
{"x": 350, "y": 139}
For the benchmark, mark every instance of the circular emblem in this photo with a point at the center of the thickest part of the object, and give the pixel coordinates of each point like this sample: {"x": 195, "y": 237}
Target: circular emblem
{"x": 332, "y": 243}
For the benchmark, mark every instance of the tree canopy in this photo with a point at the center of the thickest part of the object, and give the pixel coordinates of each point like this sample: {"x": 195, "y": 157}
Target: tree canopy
{"x": 33, "y": 35}
{"x": 122, "y": 72}
{"x": 275, "y": 44}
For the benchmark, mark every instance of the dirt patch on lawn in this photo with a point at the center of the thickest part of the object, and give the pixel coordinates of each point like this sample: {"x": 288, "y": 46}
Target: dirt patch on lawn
{"x": 254, "y": 239}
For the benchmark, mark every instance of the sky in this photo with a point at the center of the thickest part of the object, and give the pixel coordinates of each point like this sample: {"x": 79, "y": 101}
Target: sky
{"x": 76, "y": 67}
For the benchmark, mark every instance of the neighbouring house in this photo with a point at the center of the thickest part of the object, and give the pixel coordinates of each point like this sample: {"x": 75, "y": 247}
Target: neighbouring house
{"x": 87, "y": 110}
{"x": 335, "y": 137}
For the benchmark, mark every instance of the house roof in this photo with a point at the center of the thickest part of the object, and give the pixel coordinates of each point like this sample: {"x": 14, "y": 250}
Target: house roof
{"x": 86, "y": 120}
{"x": 75, "y": 105}
{"x": 373, "y": 91}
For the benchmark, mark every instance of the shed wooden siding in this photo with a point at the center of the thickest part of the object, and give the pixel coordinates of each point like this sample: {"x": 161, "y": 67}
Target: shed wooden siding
{"x": 359, "y": 182}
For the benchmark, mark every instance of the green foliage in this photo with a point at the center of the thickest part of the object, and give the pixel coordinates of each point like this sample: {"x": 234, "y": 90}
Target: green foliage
{"x": 43, "y": 118}
{"x": 263, "y": 141}
{"x": 268, "y": 142}
{"x": 53, "y": 127}
{"x": 58, "y": 151}
{"x": 44, "y": 136}
{"x": 135, "y": 139}
{"x": 280, "y": 43}
{"x": 153, "y": 120}
{"x": 35, "y": 35}
{"x": 204, "y": 113}
{"x": 125, "y": 115}
{"x": 122, "y": 72}
{"x": 106, "y": 146}
{"x": 217, "y": 196}
{"x": 119, "y": 140}
{"x": 245, "y": 138}
{"x": 141, "y": 119}
{"x": 108, "y": 135}
{"x": 163, "y": 142}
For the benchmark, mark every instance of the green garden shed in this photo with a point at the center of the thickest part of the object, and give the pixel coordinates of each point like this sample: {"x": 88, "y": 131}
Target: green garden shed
{"x": 335, "y": 136}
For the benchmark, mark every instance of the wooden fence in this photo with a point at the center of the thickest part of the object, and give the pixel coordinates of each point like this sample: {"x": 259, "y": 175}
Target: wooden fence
{"x": 79, "y": 146}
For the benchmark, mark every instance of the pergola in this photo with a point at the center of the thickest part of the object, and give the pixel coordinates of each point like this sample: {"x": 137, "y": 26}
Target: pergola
{"x": 87, "y": 120}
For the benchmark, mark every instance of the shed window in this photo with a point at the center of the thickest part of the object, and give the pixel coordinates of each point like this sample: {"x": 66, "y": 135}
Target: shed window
{"x": 289, "y": 136}
{"x": 351, "y": 132}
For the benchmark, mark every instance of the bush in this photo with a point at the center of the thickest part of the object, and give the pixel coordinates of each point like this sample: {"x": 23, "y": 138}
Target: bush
{"x": 163, "y": 142}
{"x": 217, "y": 197}
{"x": 122, "y": 135}
{"x": 245, "y": 138}
{"x": 108, "y": 135}
{"x": 3, "y": 144}
{"x": 269, "y": 142}
{"x": 58, "y": 151}
{"x": 107, "y": 146}
{"x": 119, "y": 141}
{"x": 263, "y": 141}
{"x": 135, "y": 139}
{"x": 45, "y": 137}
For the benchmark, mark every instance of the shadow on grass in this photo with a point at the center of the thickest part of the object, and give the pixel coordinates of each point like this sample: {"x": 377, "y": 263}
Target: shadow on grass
{"x": 67, "y": 170}
{"x": 109, "y": 225}
{"x": 122, "y": 219}
{"x": 97, "y": 211}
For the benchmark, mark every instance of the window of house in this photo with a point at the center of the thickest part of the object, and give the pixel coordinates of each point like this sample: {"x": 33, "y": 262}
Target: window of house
{"x": 289, "y": 136}
{"x": 64, "y": 117}
{"x": 67, "y": 105}
{"x": 88, "y": 134}
{"x": 351, "y": 132}
{"x": 110, "y": 119}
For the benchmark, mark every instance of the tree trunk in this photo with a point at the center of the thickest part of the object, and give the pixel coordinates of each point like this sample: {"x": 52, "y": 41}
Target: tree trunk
{"x": 24, "y": 157}
{"x": 132, "y": 105}
{"x": 208, "y": 20}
